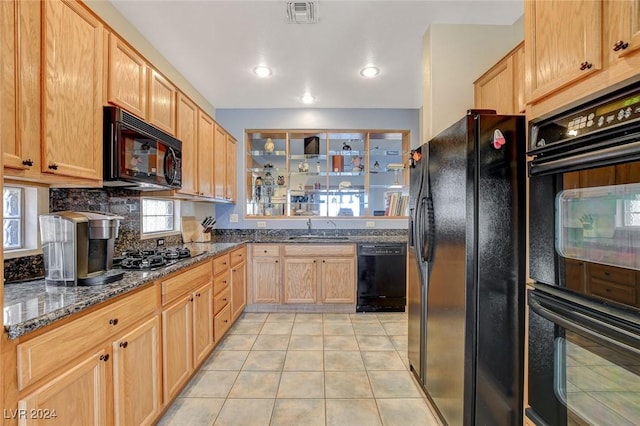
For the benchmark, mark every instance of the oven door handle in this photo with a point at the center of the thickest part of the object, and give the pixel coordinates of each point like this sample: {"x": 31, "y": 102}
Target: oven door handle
{"x": 559, "y": 314}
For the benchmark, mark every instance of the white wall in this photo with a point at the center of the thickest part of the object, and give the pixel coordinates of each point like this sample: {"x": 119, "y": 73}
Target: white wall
{"x": 454, "y": 56}
{"x": 115, "y": 20}
{"x": 236, "y": 121}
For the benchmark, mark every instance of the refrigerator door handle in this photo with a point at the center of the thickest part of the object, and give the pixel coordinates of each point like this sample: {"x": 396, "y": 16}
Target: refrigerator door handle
{"x": 558, "y": 314}
{"x": 426, "y": 218}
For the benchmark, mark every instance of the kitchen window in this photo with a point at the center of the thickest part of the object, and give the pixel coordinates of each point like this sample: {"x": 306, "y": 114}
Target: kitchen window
{"x": 13, "y": 218}
{"x": 160, "y": 217}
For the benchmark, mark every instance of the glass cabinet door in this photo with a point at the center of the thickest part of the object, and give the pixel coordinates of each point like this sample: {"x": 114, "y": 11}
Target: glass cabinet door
{"x": 326, "y": 173}
{"x": 266, "y": 174}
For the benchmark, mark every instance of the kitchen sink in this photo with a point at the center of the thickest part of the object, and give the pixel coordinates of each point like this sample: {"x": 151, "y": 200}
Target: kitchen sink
{"x": 318, "y": 237}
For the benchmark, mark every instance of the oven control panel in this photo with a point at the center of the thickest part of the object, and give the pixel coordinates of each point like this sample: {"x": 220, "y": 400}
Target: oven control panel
{"x": 605, "y": 114}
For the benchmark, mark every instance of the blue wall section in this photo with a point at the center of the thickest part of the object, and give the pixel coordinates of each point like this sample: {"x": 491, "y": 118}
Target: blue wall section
{"x": 236, "y": 121}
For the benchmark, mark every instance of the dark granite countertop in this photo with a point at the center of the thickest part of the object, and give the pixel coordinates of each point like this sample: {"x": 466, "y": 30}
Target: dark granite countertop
{"x": 31, "y": 305}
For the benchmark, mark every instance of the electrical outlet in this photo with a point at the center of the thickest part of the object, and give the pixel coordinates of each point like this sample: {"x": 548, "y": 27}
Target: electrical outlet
{"x": 262, "y": 224}
{"x": 370, "y": 224}
{"x": 233, "y": 218}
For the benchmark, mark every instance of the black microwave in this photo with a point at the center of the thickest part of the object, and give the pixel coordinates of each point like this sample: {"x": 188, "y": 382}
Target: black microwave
{"x": 138, "y": 155}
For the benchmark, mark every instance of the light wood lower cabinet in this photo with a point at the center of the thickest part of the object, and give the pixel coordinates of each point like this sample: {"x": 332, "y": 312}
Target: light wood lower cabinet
{"x": 202, "y": 324}
{"x": 311, "y": 273}
{"x": 238, "y": 282}
{"x": 78, "y": 396}
{"x": 136, "y": 375}
{"x": 300, "y": 280}
{"x": 177, "y": 346}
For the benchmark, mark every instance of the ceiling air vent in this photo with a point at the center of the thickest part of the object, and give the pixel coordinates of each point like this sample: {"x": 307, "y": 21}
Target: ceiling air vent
{"x": 302, "y": 12}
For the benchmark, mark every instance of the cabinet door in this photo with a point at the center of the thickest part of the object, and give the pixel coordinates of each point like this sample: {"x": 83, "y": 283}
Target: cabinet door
{"x": 575, "y": 275}
{"x": 72, "y": 113}
{"x": 187, "y": 132}
{"x": 206, "y": 165}
{"x": 127, "y": 81}
{"x": 202, "y": 323}
{"x": 78, "y": 396}
{"x": 162, "y": 103}
{"x": 177, "y": 346}
{"x": 519, "y": 79}
{"x": 338, "y": 280}
{"x": 494, "y": 90}
{"x": 628, "y": 173}
{"x": 300, "y": 280}
{"x": 8, "y": 80}
{"x": 602, "y": 176}
{"x": 231, "y": 180}
{"x": 136, "y": 375}
{"x": 238, "y": 290}
{"x": 623, "y": 28}
{"x": 265, "y": 274}
{"x": 561, "y": 50}
{"x": 220, "y": 161}
{"x": 222, "y": 322}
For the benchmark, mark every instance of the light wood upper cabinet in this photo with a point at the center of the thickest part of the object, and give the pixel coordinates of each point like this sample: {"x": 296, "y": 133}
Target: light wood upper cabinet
{"x": 72, "y": 99}
{"x": 136, "y": 375}
{"x": 563, "y": 40}
{"x": 187, "y": 133}
{"x": 300, "y": 280}
{"x": 231, "y": 179}
{"x": 495, "y": 89}
{"x": 621, "y": 33}
{"x": 205, "y": 155}
{"x": 77, "y": 397}
{"x": 519, "y": 78}
{"x": 13, "y": 156}
{"x": 127, "y": 78}
{"x": 162, "y": 103}
{"x": 220, "y": 164}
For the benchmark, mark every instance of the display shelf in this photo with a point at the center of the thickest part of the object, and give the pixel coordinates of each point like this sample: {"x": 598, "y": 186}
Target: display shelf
{"x": 322, "y": 152}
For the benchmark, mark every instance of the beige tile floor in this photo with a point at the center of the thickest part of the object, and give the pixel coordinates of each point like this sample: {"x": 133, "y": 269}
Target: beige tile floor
{"x": 306, "y": 369}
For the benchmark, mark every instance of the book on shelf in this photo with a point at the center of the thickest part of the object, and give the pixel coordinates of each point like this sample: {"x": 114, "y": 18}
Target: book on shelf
{"x": 395, "y": 203}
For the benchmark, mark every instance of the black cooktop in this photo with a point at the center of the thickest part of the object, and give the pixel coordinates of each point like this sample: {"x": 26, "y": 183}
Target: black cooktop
{"x": 150, "y": 259}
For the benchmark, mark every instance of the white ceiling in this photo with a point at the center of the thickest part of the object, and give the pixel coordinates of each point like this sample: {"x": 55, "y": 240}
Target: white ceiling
{"x": 216, "y": 45}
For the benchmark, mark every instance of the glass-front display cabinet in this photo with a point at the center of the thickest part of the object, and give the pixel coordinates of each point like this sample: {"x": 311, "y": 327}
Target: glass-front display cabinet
{"x": 354, "y": 173}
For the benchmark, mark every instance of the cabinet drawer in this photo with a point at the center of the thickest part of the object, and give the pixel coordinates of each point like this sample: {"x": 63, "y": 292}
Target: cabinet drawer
{"x": 613, "y": 291}
{"x": 184, "y": 282}
{"x": 238, "y": 256}
{"x": 221, "y": 323}
{"x": 319, "y": 250}
{"x": 265, "y": 250}
{"x": 220, "y": 282}
{"x": 221, "y": 300}
{"x": 610, "y": 273}
{"x": 56, "y": 348}
{"x": 221, "y": 264}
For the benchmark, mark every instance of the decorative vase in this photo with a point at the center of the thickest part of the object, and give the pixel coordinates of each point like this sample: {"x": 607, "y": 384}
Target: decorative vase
{"x": 268, "y": 145}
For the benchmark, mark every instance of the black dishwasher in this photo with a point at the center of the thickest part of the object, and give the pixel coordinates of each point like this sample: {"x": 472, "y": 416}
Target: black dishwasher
{"x": 382, "y": 277}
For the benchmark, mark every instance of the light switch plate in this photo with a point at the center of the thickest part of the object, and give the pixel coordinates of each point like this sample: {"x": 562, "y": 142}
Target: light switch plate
{"x": 370, "y": 224}
{"x": 262, "y": 224}
{"x": 233, "y": 218}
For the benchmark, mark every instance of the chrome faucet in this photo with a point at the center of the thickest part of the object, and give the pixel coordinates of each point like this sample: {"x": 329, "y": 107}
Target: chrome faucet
{"x": 309, "y": 226}
{"x": 335, "y": 226}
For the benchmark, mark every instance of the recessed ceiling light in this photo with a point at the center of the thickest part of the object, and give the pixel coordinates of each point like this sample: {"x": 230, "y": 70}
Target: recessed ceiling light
{"x": 262, "y": 71}
{"x": 369, "y": 71}
{"x": 307, "y": 98}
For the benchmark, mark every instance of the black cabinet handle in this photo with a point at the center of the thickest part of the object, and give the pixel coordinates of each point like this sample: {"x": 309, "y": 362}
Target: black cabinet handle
{"x": 197, "y": 294}
{"x": 28, "y": 162}
{"x": 123, "y": 345}
{"x": 104, "y": 357}
{"x": 53, "y": 166}
{"x": 276, "y": 261}
{"x": 113, "y": 321}
{"x": 585, "y": 66}
{"x": 224, "y": 300}
{"x": 191, "y": 299}
{"x": 620, "y": 45}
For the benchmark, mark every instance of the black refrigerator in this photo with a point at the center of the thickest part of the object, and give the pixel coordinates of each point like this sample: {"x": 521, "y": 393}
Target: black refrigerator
{"x": 467, "y": 269}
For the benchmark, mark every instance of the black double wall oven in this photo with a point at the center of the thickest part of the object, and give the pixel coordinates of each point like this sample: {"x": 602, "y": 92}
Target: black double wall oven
{"x": 584, "y": 247}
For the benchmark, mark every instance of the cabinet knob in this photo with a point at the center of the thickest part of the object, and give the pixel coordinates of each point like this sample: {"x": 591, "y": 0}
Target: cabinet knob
{"x": 323, "y": 261}
{"x": 620, "y": 45}
{"x": 104, "y": 357}
{"x": 113, "y": 321}
{"x": 265, "y": 251}
{"x": 197, "y": 294}
{"x": 585, "y": 65}
{"x": 123, "y": 345}
{"x": 28, "y": 162}
{"x": 226, "y": 321}
{"x": 224, "y": 300}
{"x": 53, "y": 166}
{"x": 276, "y": 261}
{"x": 224, "y": 281}
{"x": 314, "y": 261}
{"x": 191, "y": 299}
